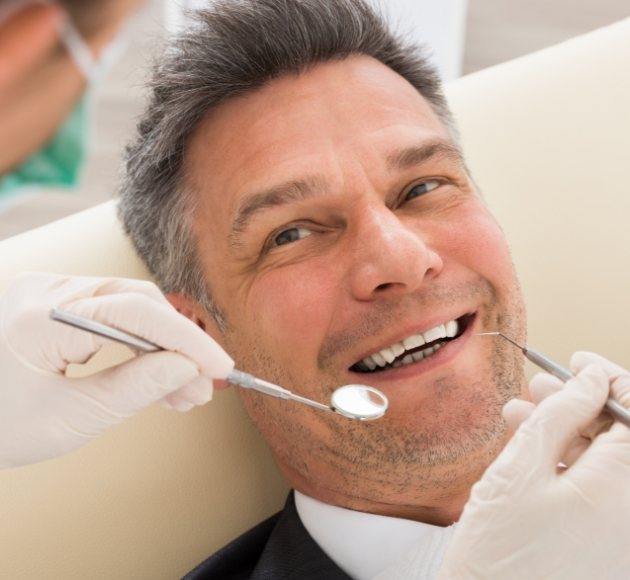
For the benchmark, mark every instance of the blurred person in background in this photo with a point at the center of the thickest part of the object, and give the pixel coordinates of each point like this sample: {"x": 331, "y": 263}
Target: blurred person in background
{"x": 51, "y": 54}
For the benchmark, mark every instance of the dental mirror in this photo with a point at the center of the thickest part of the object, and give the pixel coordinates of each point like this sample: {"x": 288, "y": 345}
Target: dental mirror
{"x": 359, "y": 402}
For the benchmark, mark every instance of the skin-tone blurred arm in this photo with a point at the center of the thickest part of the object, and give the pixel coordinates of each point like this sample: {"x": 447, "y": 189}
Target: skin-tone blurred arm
{"x": 32, "y": 111}
{"x": 36, "y": 103}
{"x": 40, "y": 24}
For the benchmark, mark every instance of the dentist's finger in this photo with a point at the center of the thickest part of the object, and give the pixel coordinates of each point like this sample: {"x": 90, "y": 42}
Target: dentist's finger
{"x": 516, "y": 411}
{"x": 160, "y": 324}
{"x": 581, "y": 359}
{"x": 543, "y": 385}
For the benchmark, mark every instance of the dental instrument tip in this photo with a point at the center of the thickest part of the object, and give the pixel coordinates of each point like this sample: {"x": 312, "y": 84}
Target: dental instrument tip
{"x": 497, "y": 333}
{"x": 613, "y": 407}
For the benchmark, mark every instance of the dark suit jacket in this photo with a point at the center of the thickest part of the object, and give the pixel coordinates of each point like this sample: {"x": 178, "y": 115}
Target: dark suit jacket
{"x": 279, "y": 548}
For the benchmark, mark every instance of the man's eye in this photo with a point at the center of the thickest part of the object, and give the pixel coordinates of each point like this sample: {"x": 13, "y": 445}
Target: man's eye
{"x": 290, "y": 235}
{"x": 422, "y": 188}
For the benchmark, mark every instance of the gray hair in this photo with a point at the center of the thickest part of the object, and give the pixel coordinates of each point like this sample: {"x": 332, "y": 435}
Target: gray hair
{"x": 235, "y": 47}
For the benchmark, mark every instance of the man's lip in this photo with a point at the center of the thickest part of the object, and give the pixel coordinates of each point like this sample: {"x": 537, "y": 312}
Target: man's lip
{"x": 411, "y": 330}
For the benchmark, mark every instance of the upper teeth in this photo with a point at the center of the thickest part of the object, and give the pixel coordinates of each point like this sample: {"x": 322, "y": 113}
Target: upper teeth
{"x": 387, "y": 355}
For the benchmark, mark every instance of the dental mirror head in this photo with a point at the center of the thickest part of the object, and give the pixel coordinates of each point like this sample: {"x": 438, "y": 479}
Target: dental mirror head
{"x": 359, "y": 402}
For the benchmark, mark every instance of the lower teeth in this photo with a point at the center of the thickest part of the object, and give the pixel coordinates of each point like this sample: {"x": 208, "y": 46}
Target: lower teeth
{"x": 409, "y": 358}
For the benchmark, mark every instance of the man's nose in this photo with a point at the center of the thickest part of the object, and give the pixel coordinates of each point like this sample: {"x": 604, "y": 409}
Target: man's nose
{"x": 392, "y": 257}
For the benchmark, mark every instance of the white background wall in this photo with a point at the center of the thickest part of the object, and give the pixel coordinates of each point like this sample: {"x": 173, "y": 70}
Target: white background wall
{"x": 440, "y": 24}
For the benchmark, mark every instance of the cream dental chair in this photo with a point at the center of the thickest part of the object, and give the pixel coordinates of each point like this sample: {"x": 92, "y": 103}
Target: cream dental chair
{"x": 548, "y": 141}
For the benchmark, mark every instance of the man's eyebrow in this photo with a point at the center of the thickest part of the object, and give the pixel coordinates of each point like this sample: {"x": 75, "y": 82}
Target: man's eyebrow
{"x": 417, "y": 154}
{"x": 303, "y": 188}
{"x": 277, "y": 195}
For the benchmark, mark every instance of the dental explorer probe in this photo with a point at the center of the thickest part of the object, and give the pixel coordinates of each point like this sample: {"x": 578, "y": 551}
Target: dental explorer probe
{"x": 616, "y": 409}
{"x": 352, "y": 401}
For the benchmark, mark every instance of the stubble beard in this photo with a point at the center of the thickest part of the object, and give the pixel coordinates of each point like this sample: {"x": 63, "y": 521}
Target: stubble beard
{"x": 383, "y": 459}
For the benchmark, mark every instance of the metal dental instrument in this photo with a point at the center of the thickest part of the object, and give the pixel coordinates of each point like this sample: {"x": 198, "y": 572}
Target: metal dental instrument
{"x": 353, "y": 401}
{"x": 616, "y": 409}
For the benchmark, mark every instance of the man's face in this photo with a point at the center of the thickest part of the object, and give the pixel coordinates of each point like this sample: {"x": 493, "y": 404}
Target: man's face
{"x": 337, "y": 225}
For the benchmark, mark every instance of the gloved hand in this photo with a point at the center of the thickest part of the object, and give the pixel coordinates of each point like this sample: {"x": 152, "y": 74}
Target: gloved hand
{"x": 43, "y": 413}
{"x": 544, "y": 385}
{"x": 528, "y": 519}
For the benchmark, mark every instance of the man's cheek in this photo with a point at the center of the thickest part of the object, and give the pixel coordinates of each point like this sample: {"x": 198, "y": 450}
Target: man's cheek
{"x": 486, "y": 247}
{"x": 293, "y": 310}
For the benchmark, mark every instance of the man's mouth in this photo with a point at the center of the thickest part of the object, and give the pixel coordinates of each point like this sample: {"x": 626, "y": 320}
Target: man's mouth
{"x": 414, "y": 348}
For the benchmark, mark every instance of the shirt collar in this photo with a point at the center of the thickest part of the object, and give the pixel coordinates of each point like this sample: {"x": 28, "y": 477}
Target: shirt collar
{"x": 364, "y": 545}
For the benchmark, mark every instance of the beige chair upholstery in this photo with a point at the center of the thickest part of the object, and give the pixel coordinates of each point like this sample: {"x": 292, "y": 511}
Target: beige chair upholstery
{"x": 548, "y": 140}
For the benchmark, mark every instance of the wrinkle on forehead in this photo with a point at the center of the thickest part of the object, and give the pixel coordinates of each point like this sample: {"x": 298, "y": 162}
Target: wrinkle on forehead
{"x": 281, "y": 109}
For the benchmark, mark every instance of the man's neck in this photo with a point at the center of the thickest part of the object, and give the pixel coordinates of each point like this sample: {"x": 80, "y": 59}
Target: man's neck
{"x": 435, "y": 506}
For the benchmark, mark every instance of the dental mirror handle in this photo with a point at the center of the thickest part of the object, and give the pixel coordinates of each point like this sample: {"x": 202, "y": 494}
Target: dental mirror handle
{"x": 236, "y": 377}
{"x": 103, "y": 330}
{"x": 616, "y": 409}
{"x": 247, "y": 381}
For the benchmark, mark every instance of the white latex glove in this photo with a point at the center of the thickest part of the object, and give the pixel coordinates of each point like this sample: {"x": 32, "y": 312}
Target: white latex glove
{"x": 544, "y": 384}
{"x": 526, "y": 519}
{"x": 43, "y": 413}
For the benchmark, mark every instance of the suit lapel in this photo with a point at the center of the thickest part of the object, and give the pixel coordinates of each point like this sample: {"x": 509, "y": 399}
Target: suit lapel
{"x": 291, "y": 553}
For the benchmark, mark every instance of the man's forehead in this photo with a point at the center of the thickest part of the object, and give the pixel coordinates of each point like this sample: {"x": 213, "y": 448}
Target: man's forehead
{"x": 295, "y": 121}
{"x": 327, "y": 86}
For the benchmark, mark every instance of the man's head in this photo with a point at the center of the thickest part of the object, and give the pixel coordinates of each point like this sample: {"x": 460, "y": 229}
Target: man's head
{"x": 325, "y": 208}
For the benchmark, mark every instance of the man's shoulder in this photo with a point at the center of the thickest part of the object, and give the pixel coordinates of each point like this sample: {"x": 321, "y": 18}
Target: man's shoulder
{"x": 279, "y": 548}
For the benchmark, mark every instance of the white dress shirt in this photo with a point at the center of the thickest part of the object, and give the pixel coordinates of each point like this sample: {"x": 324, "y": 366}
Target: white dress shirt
{"x": 365, "y": 545}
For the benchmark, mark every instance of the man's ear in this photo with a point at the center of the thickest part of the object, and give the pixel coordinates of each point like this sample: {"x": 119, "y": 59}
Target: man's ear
{"x": 192, "y": 310}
